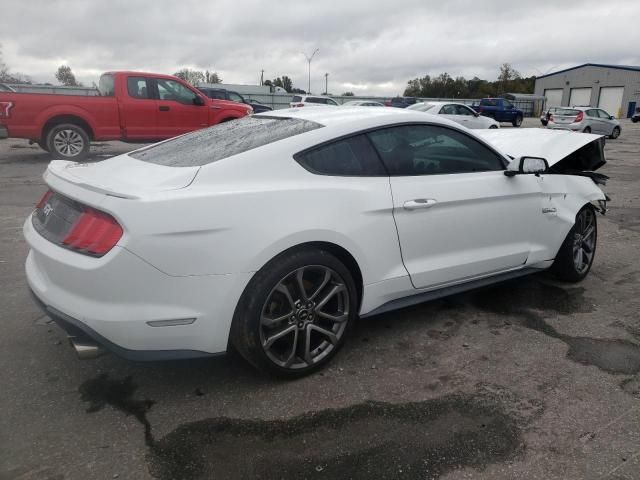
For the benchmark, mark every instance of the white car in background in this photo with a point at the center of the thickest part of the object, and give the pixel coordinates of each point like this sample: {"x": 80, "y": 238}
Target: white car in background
{"x": 273, "y": 233}
{"x": 312, "y": 101}
{"x": 362, "y": 103}
{"x": 458, "y": 112}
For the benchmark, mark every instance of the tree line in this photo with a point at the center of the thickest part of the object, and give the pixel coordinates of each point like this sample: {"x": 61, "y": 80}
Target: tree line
{"x": 445, "y": 86}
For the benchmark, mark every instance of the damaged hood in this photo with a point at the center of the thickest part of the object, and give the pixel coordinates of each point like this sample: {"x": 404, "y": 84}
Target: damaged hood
{"x": 563, "y": 150}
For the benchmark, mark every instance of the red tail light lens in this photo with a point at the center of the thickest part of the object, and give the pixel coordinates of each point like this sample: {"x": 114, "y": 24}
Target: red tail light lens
{"x": 5, "y": 109}
{"x": 579, "y": 117}
{"x": 45, "y": 198}
{"x": 299, "y": 105}
{"x": 94, "y": 233}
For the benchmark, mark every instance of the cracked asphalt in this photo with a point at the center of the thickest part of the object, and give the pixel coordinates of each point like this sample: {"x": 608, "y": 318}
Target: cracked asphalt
{"x": 529, "y": 379}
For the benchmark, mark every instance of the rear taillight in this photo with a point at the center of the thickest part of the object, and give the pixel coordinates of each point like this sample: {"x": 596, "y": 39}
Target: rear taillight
{"x": 5, "y": 109}
{"x": 299, "y": 105}
{"x": 45, "y": 198}
{"x": 94, "y": 233}
{"x": 579, "y": 117}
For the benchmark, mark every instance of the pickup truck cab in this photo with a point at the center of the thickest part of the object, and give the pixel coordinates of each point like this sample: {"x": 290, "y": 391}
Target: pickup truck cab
{"x": 501, "y": 110}
{"x": 132, "y": 107}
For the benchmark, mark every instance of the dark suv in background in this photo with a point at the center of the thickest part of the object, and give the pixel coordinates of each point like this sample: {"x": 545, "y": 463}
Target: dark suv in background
{"x": 402, "y": 102}
{"x": 224, "y": 94}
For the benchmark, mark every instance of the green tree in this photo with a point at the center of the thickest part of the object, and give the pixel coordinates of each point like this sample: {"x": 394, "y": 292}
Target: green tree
{"x": 212, "y": 77}
{"x": 66, "y": 77}
{"x": 193, "y": 77}
{"x": 348, "y": 94}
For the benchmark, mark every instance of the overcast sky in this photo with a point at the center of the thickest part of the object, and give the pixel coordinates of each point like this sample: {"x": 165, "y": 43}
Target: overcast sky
{"x": 368, "y": 47}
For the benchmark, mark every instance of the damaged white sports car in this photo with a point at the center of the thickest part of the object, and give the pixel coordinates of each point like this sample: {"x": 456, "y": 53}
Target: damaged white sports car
{"x": 273, "y": 233}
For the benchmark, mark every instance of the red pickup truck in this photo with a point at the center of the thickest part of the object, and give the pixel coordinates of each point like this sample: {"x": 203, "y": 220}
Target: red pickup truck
{"x": 129, "y": 106}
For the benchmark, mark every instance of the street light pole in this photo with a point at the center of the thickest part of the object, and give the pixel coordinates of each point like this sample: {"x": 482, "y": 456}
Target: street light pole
{"x": 326, "y": 84}
{"x": 309, "y": 58}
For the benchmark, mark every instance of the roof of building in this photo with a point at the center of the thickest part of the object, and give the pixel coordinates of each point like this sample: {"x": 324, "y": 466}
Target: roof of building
{"x": 603, "y": 65}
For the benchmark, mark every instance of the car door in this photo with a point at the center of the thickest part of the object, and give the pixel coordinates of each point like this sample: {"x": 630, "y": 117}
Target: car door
{"x": 607, "y": 123}
{"x": 177, "y": 111}
{"x": 139, "y": 110}
{"x": 450, "y": 111}
{"x": 458, "y": 216}
{"x": 593, "y": 120}
{"x": 470, "y": 119}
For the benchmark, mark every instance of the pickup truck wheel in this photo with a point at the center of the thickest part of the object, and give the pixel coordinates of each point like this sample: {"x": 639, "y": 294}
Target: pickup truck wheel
{"x": 68, "y": 141}
{"x": 517, "y": 122}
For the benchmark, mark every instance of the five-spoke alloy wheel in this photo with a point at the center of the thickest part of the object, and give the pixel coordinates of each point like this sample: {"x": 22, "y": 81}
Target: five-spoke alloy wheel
{"x": 295, "y": 313}
{"x": 576, "y": 254}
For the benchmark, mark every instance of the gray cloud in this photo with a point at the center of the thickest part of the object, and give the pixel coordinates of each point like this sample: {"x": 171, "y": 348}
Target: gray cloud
{"x": 368, "y": 47}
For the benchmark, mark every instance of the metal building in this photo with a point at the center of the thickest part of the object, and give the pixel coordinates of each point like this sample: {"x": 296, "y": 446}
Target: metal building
{"x": 614, "y": 88}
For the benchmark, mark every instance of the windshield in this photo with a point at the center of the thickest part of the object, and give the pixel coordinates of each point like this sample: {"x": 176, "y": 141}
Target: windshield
{"x": 224, "y": 140}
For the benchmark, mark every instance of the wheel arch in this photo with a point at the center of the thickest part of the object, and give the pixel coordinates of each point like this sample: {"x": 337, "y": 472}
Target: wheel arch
{"x": 66, "y": 118}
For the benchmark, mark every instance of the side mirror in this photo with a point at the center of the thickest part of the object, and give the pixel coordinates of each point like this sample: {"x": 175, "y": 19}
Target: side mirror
{"x": 611, "y": 117}
{"x": 476, "y": 114}
{"x": 197, "y": 100}
{"x": 523, "y": 165}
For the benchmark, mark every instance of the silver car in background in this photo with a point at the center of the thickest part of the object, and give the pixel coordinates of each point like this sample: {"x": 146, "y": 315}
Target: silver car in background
{"x": 585, "y": 119}
{"x": 458, "y": 112}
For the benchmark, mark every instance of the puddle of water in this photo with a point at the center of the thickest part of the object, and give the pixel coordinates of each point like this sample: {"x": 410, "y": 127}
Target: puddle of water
{"x": 522, "y": 297}
{"x": 102, "y": 391}
{"x": 365, "y": 441}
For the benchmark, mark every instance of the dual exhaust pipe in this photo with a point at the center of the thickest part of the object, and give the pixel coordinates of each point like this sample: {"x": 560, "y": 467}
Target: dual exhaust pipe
{"x": 86, "y": 349}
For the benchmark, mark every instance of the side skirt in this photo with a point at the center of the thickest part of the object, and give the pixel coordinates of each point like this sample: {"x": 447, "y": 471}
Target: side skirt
{"x": 446, "y": 291}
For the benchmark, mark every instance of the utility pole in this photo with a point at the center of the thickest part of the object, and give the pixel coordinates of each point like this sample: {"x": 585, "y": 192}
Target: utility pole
{"x": 261, "y": 77}
{"x": 326, "y": 84}
{"x": 309, "y": 58}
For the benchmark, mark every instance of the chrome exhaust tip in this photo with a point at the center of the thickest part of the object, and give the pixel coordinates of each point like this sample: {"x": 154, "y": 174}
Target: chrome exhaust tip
{"x": 85, "y": 349}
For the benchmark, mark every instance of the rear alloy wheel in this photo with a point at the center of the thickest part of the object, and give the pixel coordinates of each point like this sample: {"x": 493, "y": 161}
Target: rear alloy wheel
{"x": 586, "y": 130}
{"x": 615, "y": 133}
{"x": 68, "y": 141}
{"x": 576, "y": 254}
{"x": 517, "y": 122}
{"x": 295, "y": 313}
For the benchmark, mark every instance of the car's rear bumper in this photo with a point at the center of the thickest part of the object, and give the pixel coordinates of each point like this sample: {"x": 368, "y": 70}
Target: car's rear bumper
{"x": 129, "y": 307}
{"x": 4, "y": 132}
{"x": 574, "y": 127}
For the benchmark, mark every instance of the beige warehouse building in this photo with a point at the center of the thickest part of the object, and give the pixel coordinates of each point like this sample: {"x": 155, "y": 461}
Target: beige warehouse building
{"x": 614, "y": 88}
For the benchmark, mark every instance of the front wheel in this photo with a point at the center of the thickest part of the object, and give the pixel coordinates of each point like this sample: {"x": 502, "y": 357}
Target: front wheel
{"x": 517, "y": 121}
{"x": 493, "y": 126}
{"x": 615, "y": 133}
{"x": 575, "y": 257}
{"x": 295, "y": 313}
{"x": 68, "y": 141}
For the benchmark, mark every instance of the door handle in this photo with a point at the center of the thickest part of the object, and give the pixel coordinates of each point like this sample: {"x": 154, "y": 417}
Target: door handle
{"x": 419, "y": 203}
{"x": 164, "y": 108}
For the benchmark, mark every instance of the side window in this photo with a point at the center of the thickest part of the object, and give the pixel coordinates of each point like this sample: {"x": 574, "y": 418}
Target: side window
{"x": 592, "y": 113}
{"x": 462, "y": 110}
{"x": 448, "y": 110}
{"x": 330, "y": 101}
{"x": 296, "y": 99}
{"x": 217, "y": 94}
{"x": 507, "y": 104}
{"x": 349, "y": 157}
{"x": 430, "y": 150}
{"x": 603, "y": 114}
{"x": 235, "y": 97}
{"x": 137, "y": 88}
{"x": 172, "y": 90}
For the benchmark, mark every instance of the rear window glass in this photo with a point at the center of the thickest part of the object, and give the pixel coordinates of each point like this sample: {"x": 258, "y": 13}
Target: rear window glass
{"x": 224, "y": 140}
{"x": 296, "y": 99}
{"x": 568, "y": 111}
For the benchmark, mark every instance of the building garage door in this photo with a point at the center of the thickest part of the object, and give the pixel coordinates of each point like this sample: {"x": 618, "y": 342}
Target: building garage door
{"x": 580, "y": 97}
{"x": 611, "y": 100}
{"x": 554, "y": 97}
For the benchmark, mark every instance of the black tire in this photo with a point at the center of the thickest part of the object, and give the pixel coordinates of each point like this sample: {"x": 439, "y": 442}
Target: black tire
{"x": 264, "y": 298}
{"x": 615, "y": 133}
{"x": 544, "y": 122}
{"x": 566, "y": 265}
{"x": 493, "y": 126}
{"x": 517, "y": 121}
{"x": 68, "y": 141}
{"x": 635, "y": 119}
{"x": 586, "y": 130}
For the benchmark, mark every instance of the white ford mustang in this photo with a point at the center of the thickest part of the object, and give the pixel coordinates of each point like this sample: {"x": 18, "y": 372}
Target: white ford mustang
{"x": 273, "y": 233}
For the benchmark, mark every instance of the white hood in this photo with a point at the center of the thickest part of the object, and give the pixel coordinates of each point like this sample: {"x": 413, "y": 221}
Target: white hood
{"x": 553, "y": 145}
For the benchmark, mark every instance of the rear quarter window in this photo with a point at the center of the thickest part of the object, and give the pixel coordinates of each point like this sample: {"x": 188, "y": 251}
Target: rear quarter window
{"x": 223, "y": 140}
